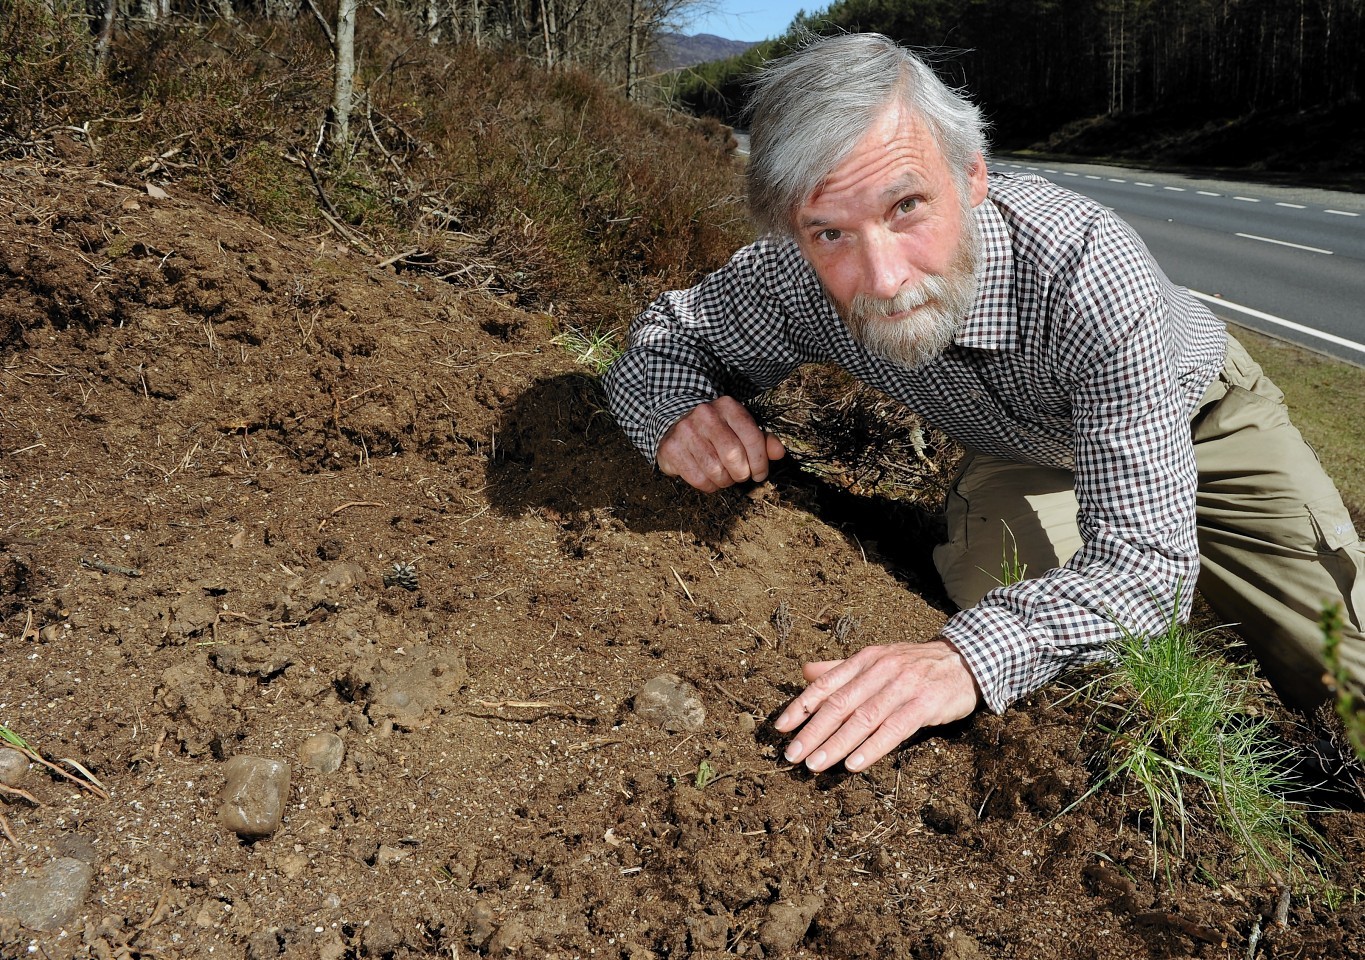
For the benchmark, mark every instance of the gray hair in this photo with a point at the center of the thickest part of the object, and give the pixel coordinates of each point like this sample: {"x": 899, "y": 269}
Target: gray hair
{"x": 810, "y": 108}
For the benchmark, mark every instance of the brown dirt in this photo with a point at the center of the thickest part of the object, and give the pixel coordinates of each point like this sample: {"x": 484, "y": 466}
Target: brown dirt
{"x": 262, "y": 426}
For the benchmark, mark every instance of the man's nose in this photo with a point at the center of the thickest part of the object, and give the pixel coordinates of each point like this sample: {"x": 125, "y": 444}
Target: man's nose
{"x": 885, "y": 269}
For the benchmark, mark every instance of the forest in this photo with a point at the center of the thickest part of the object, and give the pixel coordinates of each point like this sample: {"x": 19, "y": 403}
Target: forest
{"x": 1038, "y": 65}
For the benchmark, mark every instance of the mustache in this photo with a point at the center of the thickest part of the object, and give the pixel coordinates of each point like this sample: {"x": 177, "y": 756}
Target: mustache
{"x": 929, "y": 289}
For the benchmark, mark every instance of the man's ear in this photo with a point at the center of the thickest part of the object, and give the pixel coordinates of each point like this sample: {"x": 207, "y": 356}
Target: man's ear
{"x": 976, "y": 180}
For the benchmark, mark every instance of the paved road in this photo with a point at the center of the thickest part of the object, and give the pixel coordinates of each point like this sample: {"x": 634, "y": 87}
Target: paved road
{"x": 1287, "y": 261}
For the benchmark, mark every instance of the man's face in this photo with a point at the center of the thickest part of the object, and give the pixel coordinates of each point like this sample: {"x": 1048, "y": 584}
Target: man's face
{"x": 893, "y": 240}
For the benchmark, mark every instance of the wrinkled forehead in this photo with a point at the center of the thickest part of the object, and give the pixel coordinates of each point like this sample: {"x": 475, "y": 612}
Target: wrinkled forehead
{"x": 898, "y": 152}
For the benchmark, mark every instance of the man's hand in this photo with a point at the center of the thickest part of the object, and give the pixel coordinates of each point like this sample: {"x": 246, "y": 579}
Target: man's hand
{"x": 863, "y": 707}
{"x": 718, "y": 444}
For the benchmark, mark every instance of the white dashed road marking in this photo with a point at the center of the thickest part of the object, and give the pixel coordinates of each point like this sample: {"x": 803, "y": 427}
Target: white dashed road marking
{"x": 1285, "y": 243}
{"x": 1280, "y": 321}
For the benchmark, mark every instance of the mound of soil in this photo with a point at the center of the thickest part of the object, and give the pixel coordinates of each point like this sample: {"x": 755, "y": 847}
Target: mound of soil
{"x": 262, "y": 498}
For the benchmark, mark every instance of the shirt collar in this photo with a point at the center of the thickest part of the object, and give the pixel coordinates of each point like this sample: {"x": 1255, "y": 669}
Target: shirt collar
{"x": 993, "y": 323}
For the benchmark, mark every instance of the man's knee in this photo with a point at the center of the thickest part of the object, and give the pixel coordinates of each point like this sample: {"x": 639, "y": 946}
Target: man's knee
{"x": 1006, "y": 522}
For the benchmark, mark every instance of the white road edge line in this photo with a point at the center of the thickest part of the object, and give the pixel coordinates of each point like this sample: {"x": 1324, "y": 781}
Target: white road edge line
{"x": 1291, "y": 206}
{"x": 1208, "y": 193}
{"x": 1285, "y": 243}
{"x": 1342, "y": 213}
{"x": 1139, "y": 183}
{"x": 1176, "y": 189}
{"x": 1289, "y": 324}
{"x": 1247, "y": 199}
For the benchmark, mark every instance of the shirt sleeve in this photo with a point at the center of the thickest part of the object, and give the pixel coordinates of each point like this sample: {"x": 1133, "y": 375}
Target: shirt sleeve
{"x": 736, "y": 332}
{"x": 1136, "y": 481}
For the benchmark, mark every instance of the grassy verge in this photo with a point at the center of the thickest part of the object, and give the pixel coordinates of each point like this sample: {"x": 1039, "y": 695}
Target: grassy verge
{"x": 1324, "y": 396}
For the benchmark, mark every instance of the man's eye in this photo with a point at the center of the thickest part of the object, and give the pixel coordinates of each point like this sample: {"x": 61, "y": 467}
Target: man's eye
{"x": 909, "y": 204}
{"x": 829, "y": 236}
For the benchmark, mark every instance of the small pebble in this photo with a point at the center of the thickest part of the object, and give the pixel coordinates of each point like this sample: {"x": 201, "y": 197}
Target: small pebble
{"x": 323, "y": 752}
{"x": 49, "y": 899}
{"x": 254, "y": 796}
{"x": 672, "y": 703}
{"x": 387, "y": 855}
{"x": 14, "y": 767}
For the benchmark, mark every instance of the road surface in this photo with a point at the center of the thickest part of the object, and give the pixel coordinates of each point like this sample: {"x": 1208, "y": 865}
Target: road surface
{"x": 1287, "y": 261}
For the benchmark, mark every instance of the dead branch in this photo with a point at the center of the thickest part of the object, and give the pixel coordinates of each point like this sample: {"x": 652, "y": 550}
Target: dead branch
{"x": 328, "y": 211}
{"x": 346, "y": 506}
{"x": 534, "y": 710}
{"x": 16, "y": 792}
{"x": 322, "y": 22}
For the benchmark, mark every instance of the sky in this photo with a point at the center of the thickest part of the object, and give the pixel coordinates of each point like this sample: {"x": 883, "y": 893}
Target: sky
{"x": 751, "y": 19}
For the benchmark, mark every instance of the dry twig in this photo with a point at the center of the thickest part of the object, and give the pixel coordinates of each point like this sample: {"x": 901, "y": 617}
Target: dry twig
{"x": 346, "y": 506}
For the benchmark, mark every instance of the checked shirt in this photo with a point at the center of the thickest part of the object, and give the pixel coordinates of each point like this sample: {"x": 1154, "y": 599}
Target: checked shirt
{"x": 1078, "y": 354}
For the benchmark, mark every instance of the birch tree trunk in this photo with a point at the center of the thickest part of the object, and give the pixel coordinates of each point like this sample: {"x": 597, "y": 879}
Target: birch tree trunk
{"x": 106, "y": 37}
{"x": 345, "y": 75}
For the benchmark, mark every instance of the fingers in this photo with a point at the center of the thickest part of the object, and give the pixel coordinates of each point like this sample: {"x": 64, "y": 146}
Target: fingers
{"x": 816, "y": 669}
{"x": 775, "y": 450}
{"x": 715, "y": 445}
{"x": 860, "y": 709}
{"x": 840, "y": 710}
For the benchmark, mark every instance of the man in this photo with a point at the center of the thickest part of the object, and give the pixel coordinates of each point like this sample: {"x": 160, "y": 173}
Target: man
{"x": 1113, "y": 429}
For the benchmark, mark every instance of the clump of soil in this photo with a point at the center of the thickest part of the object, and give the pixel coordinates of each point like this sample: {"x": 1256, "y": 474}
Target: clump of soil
{"x": 257, "y": 489}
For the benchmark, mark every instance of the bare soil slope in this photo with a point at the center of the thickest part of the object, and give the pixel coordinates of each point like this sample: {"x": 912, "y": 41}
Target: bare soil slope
{"x": 260, "y": 428}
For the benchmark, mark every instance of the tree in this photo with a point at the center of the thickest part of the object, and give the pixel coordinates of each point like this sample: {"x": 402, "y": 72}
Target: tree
{"x": 344, "y": 88}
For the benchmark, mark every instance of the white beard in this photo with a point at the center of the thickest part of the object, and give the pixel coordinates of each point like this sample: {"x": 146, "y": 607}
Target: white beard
{"x": 940, "y": 302}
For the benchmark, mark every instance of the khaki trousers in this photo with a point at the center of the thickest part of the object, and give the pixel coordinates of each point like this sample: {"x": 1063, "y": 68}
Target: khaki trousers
{"x": 1275, "y": 541}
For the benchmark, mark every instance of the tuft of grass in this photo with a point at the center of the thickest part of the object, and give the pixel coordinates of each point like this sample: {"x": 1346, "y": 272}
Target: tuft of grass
{"x": 14, "y": 740}
{"x": 1183, "y": 732}
{"x": 595, "y": 349}
{"x": 1012, "y": 569}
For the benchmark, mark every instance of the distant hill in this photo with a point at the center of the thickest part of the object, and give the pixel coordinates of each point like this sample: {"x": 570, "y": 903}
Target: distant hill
{"x": 679, "y": 50}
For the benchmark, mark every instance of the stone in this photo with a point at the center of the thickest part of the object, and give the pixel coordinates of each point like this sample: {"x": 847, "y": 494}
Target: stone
{"x": 49, "y": 899}
{"x": 672, "y": 703}
{"x": 386, "y": 855}
{"x": 14, "y": 767}
{"x": 323, "y": 752}
{"x": 254, "y": 796}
